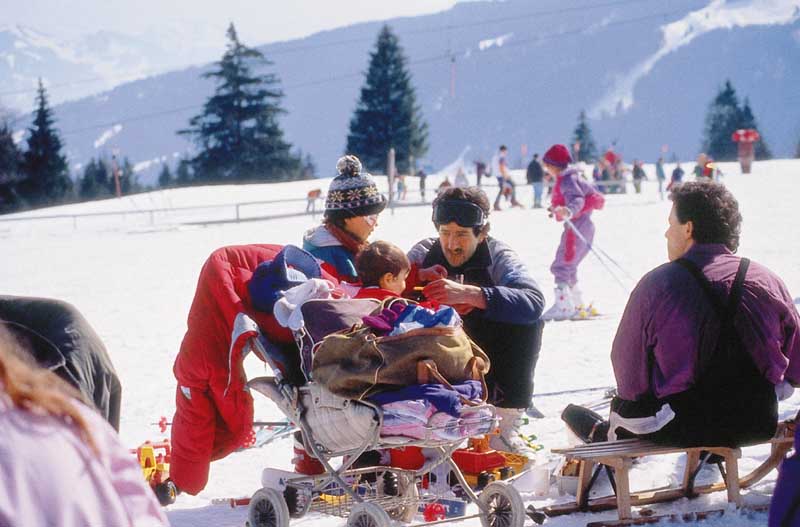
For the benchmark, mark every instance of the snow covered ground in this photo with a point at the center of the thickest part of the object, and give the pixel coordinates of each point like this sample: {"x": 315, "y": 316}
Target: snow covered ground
{"x": 134, "y": 282}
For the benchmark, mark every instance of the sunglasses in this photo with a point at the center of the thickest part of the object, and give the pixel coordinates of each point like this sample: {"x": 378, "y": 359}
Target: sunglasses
{"x": 464, "y": 213}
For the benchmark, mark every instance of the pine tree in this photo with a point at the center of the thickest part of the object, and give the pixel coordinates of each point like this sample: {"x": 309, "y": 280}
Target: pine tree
{"x": 46, "y": 173}
{"x": 10, "y": 170}
{"x": 722, "y": 120}
{"x": 748, "y": 120}
{"x": 165, "y": 177}
{"x": 128, "y": 181}
{"x": 797, "y": 152}
{"x": 387, "y": 114}
{"x": 183, "y": 175}
{"x": 237, "y": 133}
{"x": 96, "y": 181}
{"x": 583, "y": 135}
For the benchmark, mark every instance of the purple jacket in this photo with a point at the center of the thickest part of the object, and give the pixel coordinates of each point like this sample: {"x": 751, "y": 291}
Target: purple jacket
{"x": 571, "y": 192}
{"x": 668, "y": 313}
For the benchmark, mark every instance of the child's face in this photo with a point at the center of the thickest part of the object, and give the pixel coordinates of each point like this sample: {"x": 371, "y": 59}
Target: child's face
{"x": 396, "y": 283}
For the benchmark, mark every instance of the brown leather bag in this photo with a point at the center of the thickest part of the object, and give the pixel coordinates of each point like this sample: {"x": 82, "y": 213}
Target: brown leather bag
{"x": 357, "y": 363}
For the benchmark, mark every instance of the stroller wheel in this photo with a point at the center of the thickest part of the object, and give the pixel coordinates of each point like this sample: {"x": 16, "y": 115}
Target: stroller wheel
{"x": 368, "y": 514}
{"x": 298, "y": 501}
{"x": 268, "y": 509}
{"x": 502, "y": 506}
{"x": 404, "y": 488}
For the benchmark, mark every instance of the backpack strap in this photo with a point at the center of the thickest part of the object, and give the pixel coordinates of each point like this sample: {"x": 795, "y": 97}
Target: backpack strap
{"x": 725, "y": 312}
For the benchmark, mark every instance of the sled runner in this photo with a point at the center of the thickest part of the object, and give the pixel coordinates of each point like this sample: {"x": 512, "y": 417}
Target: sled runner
{"x": 618, "y": 457}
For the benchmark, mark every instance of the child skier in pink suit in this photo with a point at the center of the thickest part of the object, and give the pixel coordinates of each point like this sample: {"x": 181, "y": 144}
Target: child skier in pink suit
{"x": 573, "y": 201}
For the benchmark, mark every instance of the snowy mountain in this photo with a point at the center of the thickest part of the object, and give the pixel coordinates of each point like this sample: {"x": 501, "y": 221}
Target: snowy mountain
{"x": 74, "y": 67}
{"x": 499, "y": 72}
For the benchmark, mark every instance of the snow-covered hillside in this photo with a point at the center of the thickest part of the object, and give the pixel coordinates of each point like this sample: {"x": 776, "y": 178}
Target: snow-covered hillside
{"x": 135, "y": 281}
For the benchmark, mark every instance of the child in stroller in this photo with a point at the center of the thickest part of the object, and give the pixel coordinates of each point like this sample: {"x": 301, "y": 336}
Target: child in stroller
{"x": 333, "y": 425}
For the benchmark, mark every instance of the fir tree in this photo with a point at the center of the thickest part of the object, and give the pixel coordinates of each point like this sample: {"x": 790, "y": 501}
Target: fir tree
{"x": 797, "y": 151}
{"x": 96, "y": 181}
{"x": 308, "y": 169}
{"x": 183, "y": 175}
{"x": 237, "y": 133}
{"x": 10, "y": 170}
{"x": 128, "y": 181}
{"x": 387, "y": 114}
{"x": 46, "y": 173}
{"x": 723, "y": 118}
{"x": 748, "y": 120}
{"x": 583, "y": 135}
{"x": 165, "y": 177}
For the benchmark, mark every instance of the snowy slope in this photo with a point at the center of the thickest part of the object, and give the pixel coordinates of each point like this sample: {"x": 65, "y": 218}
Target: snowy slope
{"x": 135, "y": 284}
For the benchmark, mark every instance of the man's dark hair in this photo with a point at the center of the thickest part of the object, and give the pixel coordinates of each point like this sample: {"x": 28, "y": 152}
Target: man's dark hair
{"x": 379, "y": 258}
{"x": 712, "y": 209}
{"x": 473, "y": 195}
{"x": 503, "y": 147}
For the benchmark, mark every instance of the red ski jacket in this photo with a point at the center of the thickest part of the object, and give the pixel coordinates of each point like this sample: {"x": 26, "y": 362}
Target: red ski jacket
{"x": 214, "y": 411}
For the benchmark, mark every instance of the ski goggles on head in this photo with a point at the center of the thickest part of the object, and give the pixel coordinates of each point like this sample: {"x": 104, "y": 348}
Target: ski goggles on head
{"x": 464, "y": 213}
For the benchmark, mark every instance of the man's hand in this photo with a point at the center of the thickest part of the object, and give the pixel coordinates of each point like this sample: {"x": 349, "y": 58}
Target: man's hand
{"x": 448, "y": 292}
{"x": 429, "y": 274}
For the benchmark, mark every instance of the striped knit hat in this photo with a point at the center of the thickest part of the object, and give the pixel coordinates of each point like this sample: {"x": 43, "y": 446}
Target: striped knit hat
{"x": 353, "y": 190}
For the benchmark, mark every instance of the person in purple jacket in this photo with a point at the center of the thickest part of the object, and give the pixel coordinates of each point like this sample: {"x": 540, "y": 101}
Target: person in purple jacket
{"x": 573, "y": 202}
{"x": 708, "y": 340}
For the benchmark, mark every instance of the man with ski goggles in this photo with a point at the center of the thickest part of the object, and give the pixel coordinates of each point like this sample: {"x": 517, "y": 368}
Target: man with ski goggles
{"x": 500, "y": 303}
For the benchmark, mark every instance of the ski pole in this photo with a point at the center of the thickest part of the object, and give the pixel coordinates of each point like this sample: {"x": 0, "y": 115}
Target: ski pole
{"x": 593, "y": 247}
{"x": 600, "y": 258}
{"x": 576, "y": 390}
{"x": 162, "y": 423}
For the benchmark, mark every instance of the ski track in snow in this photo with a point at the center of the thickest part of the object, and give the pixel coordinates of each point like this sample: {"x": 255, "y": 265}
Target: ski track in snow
{"x": 135, "y": 283}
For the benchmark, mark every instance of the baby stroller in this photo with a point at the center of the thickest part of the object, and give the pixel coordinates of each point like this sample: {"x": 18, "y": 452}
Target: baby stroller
{"x": 374, "y": 496}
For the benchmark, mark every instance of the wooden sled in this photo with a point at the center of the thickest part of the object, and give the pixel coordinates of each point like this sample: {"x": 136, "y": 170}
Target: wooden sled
{"x": 617, "y": 458}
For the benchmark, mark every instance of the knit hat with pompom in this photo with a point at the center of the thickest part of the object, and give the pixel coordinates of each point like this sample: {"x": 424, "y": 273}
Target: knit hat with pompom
{"x": 354, "y": 190}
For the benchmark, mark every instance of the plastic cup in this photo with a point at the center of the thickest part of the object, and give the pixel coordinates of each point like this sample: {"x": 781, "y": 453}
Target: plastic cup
{"x": 540, "y": 480}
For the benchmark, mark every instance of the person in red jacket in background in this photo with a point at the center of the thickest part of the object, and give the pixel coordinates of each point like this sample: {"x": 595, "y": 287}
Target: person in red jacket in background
{"x": 383, "y": 269}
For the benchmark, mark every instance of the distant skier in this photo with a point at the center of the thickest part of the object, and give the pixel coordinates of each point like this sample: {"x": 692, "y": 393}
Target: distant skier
{"x": 535, "y": 177}
{"x": 638, "y": 175}
{"x": 677, "y": 177}
{"x": 660, "y": 176}
{"x": 505, "y": 184}
{"x": 573, "y": 201}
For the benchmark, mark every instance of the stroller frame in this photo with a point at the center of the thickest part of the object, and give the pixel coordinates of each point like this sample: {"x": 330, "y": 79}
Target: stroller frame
{"x": 361, "y": 494}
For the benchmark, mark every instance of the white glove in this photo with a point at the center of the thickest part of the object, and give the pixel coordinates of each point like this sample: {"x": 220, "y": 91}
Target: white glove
{"x": 783, "y": 390}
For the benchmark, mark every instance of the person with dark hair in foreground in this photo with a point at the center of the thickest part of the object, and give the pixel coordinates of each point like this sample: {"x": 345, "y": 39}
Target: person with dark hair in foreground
{"x": 490, "y": 287}
{"x": 708, "y": 342}
{"x": 60, "y": 463}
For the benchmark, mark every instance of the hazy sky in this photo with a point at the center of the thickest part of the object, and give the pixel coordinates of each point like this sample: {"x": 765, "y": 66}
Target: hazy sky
{"x": 257, "y": 21}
